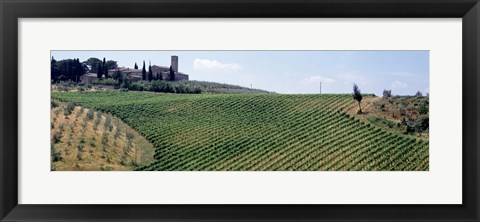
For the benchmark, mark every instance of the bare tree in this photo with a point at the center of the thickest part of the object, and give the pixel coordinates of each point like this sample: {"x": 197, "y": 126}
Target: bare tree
{"x": 357, "y": 95}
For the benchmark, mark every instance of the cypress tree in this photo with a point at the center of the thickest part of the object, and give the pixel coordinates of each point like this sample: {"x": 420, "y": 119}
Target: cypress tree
{"x": 105, "y": 68}
{"x": 144, "y": 72}
{"x": 99, "y": 70}
{"x": 135, "y": 66}
{"x": 53, "y": 69}
{"x": 150, "y": 73}
{"x": 79, "y": 70}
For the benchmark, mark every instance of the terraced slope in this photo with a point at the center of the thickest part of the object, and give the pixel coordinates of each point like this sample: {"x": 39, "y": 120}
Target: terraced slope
{"x": 260, "y": 132}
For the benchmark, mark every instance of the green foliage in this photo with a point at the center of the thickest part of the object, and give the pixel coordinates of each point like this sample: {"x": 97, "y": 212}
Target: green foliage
{"x": 381, "y": 121}
{"x": 104, "y": 137}
{"x": 150, "y": 73}
{"x": 80, "y": 112}
{"x": 100, "y": 70}
{"x": 66, "y": 70}
{"x": 92, "y": 142}
{"x": 110, "y": 64}
{"x": 56, "y": 138}
{"x": 55, "y": 155}
{"x": 248, "y": 132}
{"x": 191, "y": 87}
{"x": 357, "y": 95}
{"x": 108, "y": 123}
{"x": 423, "y": 108}
{"x": 117, "y": 75}
{"x": 90, "y": 114}
{"x": 69, "y": 109}
{"x": 164, "y": 86}
{"x": 108, "y": 82}
{"x": 144, "y": 72}
{"x": 53, "y": 104}
{"x": 129, "y": 135}
{"x": 97, "y": 120}
{"x": 105, "y": 68}
{"x": 92, "y": 64}
{"x": 125, "y": 83}
{"x": 387, "y": 93}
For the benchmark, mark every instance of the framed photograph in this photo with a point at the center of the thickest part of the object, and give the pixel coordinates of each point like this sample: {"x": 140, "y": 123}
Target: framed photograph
{"x": 224, "y": 110}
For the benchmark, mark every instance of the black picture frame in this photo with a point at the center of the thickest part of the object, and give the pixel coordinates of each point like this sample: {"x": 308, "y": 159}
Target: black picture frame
{"x": 12, "y": 10}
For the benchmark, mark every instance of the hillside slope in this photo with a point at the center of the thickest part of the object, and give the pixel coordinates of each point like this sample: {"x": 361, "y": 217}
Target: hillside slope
{"x": 257, "y": 132}
{"x": 89, "y": 140}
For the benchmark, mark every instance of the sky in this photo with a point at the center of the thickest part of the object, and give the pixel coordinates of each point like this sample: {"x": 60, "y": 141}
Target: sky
{"x": 288, "y": 72}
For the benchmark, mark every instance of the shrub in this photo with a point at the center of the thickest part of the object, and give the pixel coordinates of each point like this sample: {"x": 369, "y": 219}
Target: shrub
{"x": 80, "y": 112}
{"x": 136, "y": 86}
{"x": 97, "y": 120}
{"x": 387, "y": 93}
{"x": 90, "y": 114}
{"x": 55, "y": 154}
{"x": 79, "y": 155}
{"x": 423, "y": 109}
{"x": 56, "y": 137}
{"x": 108, "y": 82}
{"x": 54, "y": 104}
{"x": 104, "y": 138}
{"x": 57, "y": 111}
{"x": 60, "y": 127}
{"x": 117, "y": 132}
{"x": 129, "y": 136}
{"x": 108, "y": 123}
{"x": 69, "y": 109}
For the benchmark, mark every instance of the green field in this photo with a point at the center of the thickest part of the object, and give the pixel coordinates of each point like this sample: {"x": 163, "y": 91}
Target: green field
{"x": 256, "y": 132}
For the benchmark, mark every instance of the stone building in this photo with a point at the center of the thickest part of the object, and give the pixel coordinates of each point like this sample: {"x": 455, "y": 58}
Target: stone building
{"x": 136, "y": 74}
{"x": 88, "y": 78}
{"x": 165, "y": 71}
{"x": 133, "y": 74}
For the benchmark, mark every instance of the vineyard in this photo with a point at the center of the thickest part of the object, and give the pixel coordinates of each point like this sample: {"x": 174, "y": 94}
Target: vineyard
{"x": 256, "y": 132}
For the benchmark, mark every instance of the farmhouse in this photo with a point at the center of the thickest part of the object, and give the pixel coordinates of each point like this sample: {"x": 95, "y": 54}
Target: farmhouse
{"x": 88, "y": 78}
{"x": 136, "y": 74}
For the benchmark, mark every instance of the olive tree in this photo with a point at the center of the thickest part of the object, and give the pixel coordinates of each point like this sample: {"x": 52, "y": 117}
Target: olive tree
{"x": 357, "y": 95}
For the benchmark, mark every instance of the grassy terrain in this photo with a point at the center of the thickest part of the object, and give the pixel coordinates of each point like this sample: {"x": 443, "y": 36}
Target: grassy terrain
{"x": 407, "y": 115}
{"x": 85, "y": 139}
{"x": 243, "y": 132}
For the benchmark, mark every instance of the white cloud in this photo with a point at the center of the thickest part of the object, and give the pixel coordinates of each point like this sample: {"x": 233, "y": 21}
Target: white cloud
{"x": 351, "y": 78}
{"x": 398, "y": 85}
{"x": 317, "y": 79}
{"x": 399, "y": 73}
{"x": 207, "y": 64}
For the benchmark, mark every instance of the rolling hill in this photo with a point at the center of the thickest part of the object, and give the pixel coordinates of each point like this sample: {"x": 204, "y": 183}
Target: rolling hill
{"x": 256, "y": 132}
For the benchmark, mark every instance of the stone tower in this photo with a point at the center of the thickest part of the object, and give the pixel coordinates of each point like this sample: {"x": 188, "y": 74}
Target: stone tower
{"x": 175, "y": 63}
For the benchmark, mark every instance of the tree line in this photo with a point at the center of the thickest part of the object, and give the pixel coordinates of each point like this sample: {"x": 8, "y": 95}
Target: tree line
{"x": 72, "y": 69}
